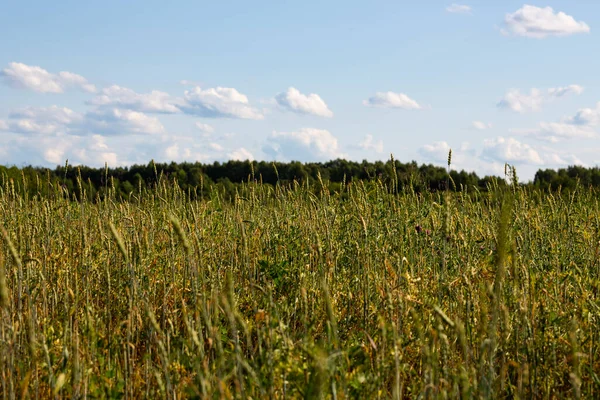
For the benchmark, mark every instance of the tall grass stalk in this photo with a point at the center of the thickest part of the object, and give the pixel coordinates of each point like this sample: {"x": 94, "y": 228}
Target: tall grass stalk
{"x": 299, "y": 291}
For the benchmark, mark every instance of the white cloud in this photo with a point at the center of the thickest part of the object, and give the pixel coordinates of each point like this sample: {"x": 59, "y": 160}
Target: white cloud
{"x": 91, "y": 150}
{"x": 463, "y": 156}
{"x": 54, "y": 155}
{"x": 33, "y": 127}
{"x": 212, "y": 103}
{"x": 190, "y": 151}
{"x": 153, "y": 102}
{"x": 99, "y": 142}
{"x": 172, "y": 152}
{"x": 50, "y": 150}
{"x": 55, "y": 114}
{"x": 371, "y": 145}
{"x": 586, "y": 116}
{"x": 188, "y": 148}
{"x": 392, "y": 100}
{"x": 295, "y": 101}
{"x": 41, "y": 120}
{"x": 557, "y": 131}
{"x": 555, "y": 159}
{"x": 51, "y": 120}
{"x": 215, "y": 146}
{"x": 583, "y": 125}
{"x": 521, "y": 103}
{"x": 206, "y": 128}
{"x": 436, "y": 152}
{"x": 121, "y": 122}
{"x": 186, "y": 82}
{"x": 458, "y": 9}
{"x": 219, "y": 102}
{"x": 3, "y": 125}
{"x": 241, "y": 154}
{"x": 536, "y": 22}
{"x": 561, "y": 91}
{"x": 480, "y": 126}
{"x": 39, "y": 80}
{"x": 307, "y": 144}
{"x": 69, "y": 79}
{"x": 510, "y": 150}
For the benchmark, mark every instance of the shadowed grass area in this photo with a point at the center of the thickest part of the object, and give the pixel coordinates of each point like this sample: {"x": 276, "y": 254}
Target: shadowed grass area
{"x": 282, "y": 293}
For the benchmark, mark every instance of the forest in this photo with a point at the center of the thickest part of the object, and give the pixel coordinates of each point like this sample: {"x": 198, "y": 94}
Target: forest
{"x": 225, "y": 178}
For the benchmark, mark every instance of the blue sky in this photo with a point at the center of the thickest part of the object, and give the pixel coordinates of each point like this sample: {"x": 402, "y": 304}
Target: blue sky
{"x": 126, "y": 82}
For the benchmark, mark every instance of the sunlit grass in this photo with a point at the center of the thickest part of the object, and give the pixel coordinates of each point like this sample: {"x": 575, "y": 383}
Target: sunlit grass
{"x": 367, "y": 293}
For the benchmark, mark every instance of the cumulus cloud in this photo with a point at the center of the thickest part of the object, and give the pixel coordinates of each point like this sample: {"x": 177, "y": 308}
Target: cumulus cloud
{"x": 55, "y": 114}
{"x": 206, "y": 128}
{"x": 436, "y": 152}
{"x": 557, "y": 131}
{"x": 119, "y": 97}
{"x": 212, "y": 103}
{"x": 41, "y": 120}
{"x": 535, "y": 22}
{"x": 586, "y": 116}
{"x": 39, "y": 80}
{"x": 511, "y": 151}
{"x": 50, "y": 150}
{"x": 219, "y": 102}
{"x": 173, "y": 153}
{"x": 520, "y": 102}
{"x": 480, "y": 126}
{"x": 119, "y": 122}
{"x": 51, "y": 120}
{"x": 91, "y": 151}
{"x": 307, "y": 144}
{"x": 188, "y": 148}
{"x": 369, "y": 144}
{"x": 583, "y": 125}
{"x": 240, "y": 154}
{"x": 392, "y": 100}
{"x": 458, "y": 9}
{"x": 297, "y": 102}
{"x": 555, "y": 159}
{"x": 32, "y": 126}
{"x": 463, "y": 156}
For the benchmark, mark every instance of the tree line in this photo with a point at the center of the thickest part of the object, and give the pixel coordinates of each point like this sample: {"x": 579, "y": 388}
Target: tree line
{"x": 226, "y": 178}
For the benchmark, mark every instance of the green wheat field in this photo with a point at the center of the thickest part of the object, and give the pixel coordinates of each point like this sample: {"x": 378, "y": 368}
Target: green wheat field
{"x": 371, "y": 292}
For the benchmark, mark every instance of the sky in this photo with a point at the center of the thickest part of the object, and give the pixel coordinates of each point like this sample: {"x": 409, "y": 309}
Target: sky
{"x": 127, "y": 82}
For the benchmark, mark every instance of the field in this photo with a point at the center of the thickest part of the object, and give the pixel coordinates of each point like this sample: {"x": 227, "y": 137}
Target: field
{"x": 373, "y": 292}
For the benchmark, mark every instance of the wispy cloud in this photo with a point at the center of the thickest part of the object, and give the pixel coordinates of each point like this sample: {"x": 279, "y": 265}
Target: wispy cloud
{"x": 458, "y": 9}
{"x": 370, "y": 144}
{"x": 480, "y": 126}
{"x": 392, "y": 100}
{"x": 206, "y": 128}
